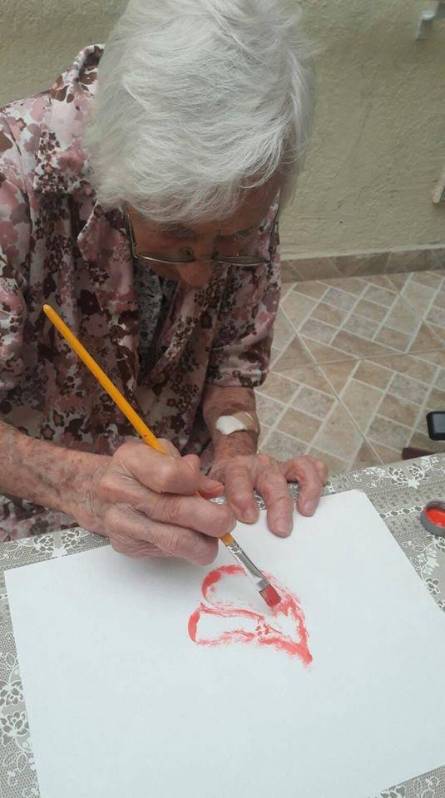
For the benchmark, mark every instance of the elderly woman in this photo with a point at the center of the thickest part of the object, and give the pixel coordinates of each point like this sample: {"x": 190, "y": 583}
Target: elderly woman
{"x": 140, "y": 197}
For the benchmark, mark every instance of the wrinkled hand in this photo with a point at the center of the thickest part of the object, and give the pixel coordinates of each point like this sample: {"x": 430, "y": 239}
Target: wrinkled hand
{"x": 145, "y": 503}
{"x": 244, "y": 474}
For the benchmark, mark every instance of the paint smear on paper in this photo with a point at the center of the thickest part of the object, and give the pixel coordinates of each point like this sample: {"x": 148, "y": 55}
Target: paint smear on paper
{"x": 283, "y": 628}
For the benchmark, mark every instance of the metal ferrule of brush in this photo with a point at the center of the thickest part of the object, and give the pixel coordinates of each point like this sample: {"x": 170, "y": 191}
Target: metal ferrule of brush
{"x": 255, "y": 572}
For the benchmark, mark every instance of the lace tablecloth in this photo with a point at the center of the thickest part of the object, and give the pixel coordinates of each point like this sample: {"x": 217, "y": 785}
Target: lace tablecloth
{"x": 397, "y": 491}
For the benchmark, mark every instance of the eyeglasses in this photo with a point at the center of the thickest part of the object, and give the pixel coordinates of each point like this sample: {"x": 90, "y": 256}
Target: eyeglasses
{"x": 187, "y": 255}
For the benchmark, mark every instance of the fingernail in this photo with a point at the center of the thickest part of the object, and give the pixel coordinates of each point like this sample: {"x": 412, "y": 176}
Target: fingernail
{"x": 309, "y": 507}
{"x": 249, "y": 516}
{"x": 283, "y": 529}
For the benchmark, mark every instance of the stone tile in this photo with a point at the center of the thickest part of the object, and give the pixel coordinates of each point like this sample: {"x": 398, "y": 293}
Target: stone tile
{"x": 381, "y": 281}
{"x": 294, "y": 355}
{"x": 366, "y": 457}
{"x": 283, "y": 446}
{"x": 435, "y": 358}
{"x": 277, "y": 387}
{"x": 373, "y": 374}
{"x": 358, "y": 347}
{"x": 386, "y": 454}
{"x": 433, "y": 279}
{"x": 338, "y": 373}
{"x": 421, "y": 441}
{"x": 335, "y": 464}
{"x": 283, "y": 331}
{"x": 438, "y": 332}
{"x": 311, "y": 288}
{"x": 408, "y": 260}
{"x": 329, "y": 315}
{"x": 381, "y": 296}
{"x": 370, "y": 310}
{"x": 362, "y": 402}
{"x": 439, "y": 382}
{"x": 439, "y": 299}
{"x": 264, "y": 431}
{"x": 406, "y": 388}
{"x": 338, "y": 435}
{"x": 437, "y": 258}
{"x": 388, "y": 433}
{"x": 321, "y": 353}
{"x": 268, "y": 409}
{"x": 318, "y": 331}
{"x": 437, "y": 316}
{"x": 397, "y": 280}
{"x": 353, "y": 285}
{"x": 399, "y": 409}
{"x": 370, "y": 263}
{"x": 289, "y": 271}
{"x": 339, "y": 299}
{"x": 419, "y": 296}
{"x": 357, "y": 325}
{"x": 436, "y": 400}
{"x": 424, "y": 340}
{"x": 313, "y": 402}
{"x": 297, "y": 308}
{"x": 299, "y": 425}
{"x": 313, "y": 377}
{"x": 319, "y": 269}
{"x": 393, "y": 339}
{"x": 402, "y": 317}
{"x": 411, "y": 365}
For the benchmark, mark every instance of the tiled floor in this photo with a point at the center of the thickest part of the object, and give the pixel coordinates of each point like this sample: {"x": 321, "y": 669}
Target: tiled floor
{"x": 357, "y": 363}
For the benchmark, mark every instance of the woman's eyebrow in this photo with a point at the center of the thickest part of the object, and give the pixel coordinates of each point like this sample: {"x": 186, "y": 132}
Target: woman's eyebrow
{"x": 187, "y": 232}
{"x": 179, "y": 229}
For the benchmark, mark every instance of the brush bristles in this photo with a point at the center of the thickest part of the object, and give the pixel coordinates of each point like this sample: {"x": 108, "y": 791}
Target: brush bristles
{"x": 270, "y": 596}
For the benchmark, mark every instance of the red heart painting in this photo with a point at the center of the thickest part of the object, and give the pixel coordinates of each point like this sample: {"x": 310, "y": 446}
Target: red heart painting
{"x": 283, "y": 628}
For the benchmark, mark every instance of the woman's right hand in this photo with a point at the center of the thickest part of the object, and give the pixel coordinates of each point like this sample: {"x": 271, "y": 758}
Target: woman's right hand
{"x": 146, "y": 503}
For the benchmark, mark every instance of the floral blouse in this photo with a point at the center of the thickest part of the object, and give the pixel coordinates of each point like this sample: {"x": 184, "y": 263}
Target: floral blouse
{"x": 58, "y": 245}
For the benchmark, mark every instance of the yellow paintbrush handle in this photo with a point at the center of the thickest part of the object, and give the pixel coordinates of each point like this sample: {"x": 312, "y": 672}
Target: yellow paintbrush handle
{"x": 124, "y": 406}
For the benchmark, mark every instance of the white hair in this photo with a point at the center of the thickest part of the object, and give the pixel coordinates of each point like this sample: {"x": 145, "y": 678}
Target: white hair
{"x": 198, "y": 101}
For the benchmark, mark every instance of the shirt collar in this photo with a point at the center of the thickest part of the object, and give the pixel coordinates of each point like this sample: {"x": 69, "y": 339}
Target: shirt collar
{"x": 62, "y": 166}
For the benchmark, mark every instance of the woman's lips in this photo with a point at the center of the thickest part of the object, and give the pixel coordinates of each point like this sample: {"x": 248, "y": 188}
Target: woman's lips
{"x": 282, "y": 629}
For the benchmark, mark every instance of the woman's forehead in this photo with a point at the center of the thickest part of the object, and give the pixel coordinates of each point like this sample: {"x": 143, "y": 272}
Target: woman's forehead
{"x": 251, "y": 211}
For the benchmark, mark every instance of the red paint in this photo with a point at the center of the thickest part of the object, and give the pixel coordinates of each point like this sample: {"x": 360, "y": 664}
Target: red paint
{"x": 267, "y": 630}
{"x": 270, "y": 596}
{"x": 436, "y": 515}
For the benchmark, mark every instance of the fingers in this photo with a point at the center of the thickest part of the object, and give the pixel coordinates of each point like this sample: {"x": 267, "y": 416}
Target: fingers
{"x": 311, "y": 476}
{"x": 322, "y": 469}
{"x": 272, "y": 485}
{"x": 238, "y": 482}
{"x": 159, "y": 472}
{"x": 132, "y": 533}
{"x": 191, "y": 512}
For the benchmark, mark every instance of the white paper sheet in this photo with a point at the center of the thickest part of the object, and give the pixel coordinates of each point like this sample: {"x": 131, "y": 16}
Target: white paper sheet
{"x": 121, "y": 702}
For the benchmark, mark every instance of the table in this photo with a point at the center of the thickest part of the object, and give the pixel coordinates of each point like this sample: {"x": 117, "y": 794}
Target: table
{"x": 397, "y": 491}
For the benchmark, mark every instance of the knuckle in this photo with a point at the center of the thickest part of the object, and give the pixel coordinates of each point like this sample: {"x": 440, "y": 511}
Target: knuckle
{"x": 166, "y": 509}
{"x": 171, "y": 542}
{"x": 113, "y": 518}
{"x": 264, "y": 460}
{"x": 119, "y": 545}
{"x": 107, "y": 484}
{"x": 206, "y": 554}
{"x": 224, "y": 520}
{"x": 166, "y": 472}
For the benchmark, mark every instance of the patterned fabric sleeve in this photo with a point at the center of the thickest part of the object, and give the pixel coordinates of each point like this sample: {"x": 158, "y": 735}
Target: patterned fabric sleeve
{"x": 241, "y": 351}
{"x": 14, "y": 253}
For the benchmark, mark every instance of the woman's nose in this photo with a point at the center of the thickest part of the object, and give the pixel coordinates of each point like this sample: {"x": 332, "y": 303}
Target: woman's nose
{"x": 197, "y": 274}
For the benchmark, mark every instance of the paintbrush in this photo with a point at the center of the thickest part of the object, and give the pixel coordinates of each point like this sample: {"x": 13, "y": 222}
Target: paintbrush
{"x": 265, "y": 589}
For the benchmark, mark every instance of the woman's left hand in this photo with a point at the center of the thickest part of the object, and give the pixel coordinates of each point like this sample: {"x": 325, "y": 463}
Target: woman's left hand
{"x": 243, "y": 474}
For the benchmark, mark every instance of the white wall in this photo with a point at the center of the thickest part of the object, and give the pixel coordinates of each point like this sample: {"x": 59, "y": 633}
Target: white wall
{"x": 378, "y": 143}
